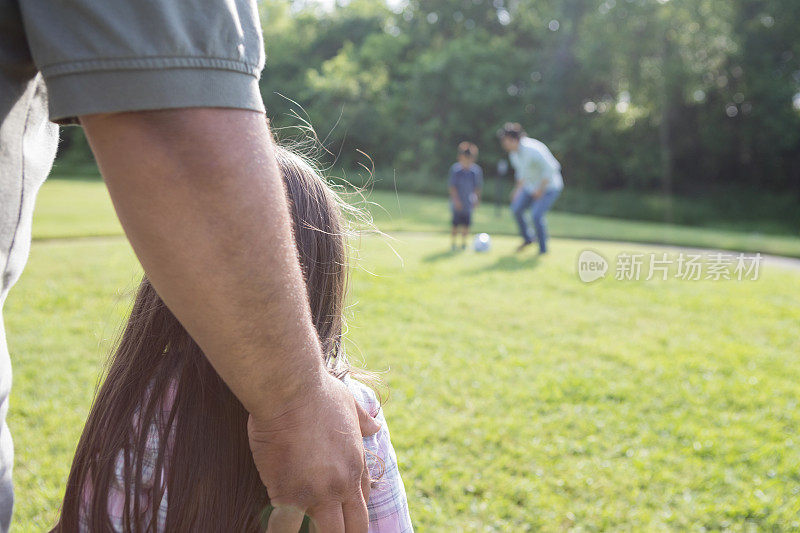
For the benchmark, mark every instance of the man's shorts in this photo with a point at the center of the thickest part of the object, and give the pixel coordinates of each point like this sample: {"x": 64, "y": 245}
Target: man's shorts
{"x": 462, "y": 218}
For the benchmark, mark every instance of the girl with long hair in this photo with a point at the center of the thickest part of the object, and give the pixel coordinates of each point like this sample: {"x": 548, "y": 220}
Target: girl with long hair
{"x": 165, "y": 446}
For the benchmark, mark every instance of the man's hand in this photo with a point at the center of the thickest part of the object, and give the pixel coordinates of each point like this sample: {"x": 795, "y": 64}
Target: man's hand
{"x": 458, "y": 205}
{"x": 311, "y": 459}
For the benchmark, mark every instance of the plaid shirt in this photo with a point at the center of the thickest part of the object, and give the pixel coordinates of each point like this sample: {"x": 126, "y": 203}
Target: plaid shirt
{"x": 387, "y": 505}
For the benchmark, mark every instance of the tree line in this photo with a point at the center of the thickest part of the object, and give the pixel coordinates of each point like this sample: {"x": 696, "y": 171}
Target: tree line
{"x": 678, "y": 96}
{"x": 674, "y": 96}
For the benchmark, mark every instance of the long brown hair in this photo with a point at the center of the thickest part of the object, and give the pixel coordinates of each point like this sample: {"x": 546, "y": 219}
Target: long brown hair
{"x": 211, "y": 481}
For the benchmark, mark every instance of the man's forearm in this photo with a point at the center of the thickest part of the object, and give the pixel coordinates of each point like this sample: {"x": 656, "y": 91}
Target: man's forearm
{"x": 199, "y": 195}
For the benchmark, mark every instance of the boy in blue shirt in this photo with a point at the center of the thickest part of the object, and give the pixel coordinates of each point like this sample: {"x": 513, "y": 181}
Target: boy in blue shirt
{"x": 465, "y": 185}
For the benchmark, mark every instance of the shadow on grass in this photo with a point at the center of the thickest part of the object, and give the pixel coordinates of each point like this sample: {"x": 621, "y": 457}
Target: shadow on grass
{"x": 510, "y": 263}
{"x": 444, "y": 254}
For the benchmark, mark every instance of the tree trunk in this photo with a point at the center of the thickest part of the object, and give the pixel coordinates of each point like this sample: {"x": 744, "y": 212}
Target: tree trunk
{"x": 664, "y": 134}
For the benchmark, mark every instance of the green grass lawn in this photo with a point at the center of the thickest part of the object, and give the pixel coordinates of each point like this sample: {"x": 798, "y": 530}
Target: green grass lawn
{"x": 81, "y": 207}
{"x": 520, "y": 398}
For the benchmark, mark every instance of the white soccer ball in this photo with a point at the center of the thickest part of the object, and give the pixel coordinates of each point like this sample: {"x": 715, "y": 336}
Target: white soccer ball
{"x": 482, "y": 242}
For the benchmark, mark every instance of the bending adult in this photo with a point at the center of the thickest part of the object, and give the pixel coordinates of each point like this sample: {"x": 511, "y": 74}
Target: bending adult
{"x": 169, "y": 99}
{"x": 538, "y": 182}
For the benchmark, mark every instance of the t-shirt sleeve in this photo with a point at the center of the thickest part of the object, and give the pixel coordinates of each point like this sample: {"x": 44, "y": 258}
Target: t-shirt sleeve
{"x": 451, "y": 178}
{"x": 478, "y": 178}
{"x": 118, "y": 55}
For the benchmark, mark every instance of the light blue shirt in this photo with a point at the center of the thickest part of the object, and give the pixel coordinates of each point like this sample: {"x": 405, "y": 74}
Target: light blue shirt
{"x": 534, "y": 164}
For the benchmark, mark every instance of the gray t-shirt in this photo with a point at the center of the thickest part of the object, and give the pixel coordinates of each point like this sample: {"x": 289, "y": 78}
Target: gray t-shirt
{"x": 467, "y": 182}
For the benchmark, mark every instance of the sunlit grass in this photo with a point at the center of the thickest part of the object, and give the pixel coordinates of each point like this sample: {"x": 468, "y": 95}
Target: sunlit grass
{"x": 520, "y": 398}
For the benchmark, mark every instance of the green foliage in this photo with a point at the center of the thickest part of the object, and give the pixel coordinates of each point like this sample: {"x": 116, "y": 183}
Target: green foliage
{"x": 679, "y": 96}
{"x": 685, "y": 98}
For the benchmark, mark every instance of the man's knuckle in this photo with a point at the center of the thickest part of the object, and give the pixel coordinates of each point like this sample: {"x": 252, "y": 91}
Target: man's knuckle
{"x": 304, "y": 493}
{"x": 355, "y": 469}
{"x": 342, "y": 484}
